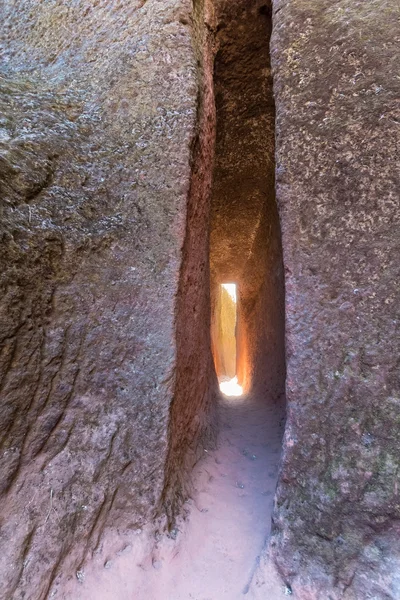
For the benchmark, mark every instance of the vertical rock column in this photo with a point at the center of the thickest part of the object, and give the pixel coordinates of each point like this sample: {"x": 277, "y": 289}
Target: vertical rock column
{"x": 101, "y": 191}
{"x": 337, "y": 514}
{"x": 193, "y": 419}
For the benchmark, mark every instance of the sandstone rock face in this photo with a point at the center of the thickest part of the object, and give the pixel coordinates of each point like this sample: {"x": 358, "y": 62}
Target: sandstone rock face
{"x": 336, "y": 525}
{"x": 99, "y": 122}
{"x": 107, "y": 129}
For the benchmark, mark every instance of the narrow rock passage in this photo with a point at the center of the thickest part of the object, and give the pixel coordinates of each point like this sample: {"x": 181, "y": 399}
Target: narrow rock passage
{"x": 217, "y": 547}
{"x": 231, "y": 512}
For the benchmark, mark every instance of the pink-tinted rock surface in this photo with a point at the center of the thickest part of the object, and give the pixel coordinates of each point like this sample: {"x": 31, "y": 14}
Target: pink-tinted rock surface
{"x": 99, "y": 114}
{"x": 107, "y": 128}
{"x": 337, "y": 515}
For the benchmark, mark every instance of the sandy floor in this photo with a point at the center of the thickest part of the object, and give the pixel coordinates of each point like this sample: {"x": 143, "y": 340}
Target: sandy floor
{"x": 217, "y": 551}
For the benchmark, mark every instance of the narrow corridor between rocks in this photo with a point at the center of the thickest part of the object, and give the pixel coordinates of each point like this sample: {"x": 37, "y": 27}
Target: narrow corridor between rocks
{"x": 218, "y": 550}
{"x": 199, "y": 300}
{"x": 230, "y": 513}
{"x": 213, "y": 554}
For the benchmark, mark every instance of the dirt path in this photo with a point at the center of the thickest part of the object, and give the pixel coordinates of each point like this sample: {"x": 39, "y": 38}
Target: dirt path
{"x": 216, "y": 554}
{"x": 230, "y": 518}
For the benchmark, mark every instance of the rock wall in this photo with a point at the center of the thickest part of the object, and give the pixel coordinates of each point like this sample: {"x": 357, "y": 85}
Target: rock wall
{"x": 106, "y": 379}
{"x": 100, "y": 105}
{"x": 337, "y": 515}
{"x": 193, "y": 422}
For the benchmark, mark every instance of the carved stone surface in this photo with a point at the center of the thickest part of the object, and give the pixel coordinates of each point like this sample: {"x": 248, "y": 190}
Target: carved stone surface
{"x": 99, "y": 110}
{"x": 337, "y": 93}
{"x": 106, "y": 145}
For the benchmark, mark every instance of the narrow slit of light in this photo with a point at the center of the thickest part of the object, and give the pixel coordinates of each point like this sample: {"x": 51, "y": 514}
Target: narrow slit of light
{"x": 231, "y": 387}
{"x": 231, "y": 289}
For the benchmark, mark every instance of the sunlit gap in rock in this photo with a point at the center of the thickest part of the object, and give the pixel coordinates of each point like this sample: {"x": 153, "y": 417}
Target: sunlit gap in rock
{"x": 226, "y": 340}
{"x": 231, "y": 387}
{"x": 231, "y": 289}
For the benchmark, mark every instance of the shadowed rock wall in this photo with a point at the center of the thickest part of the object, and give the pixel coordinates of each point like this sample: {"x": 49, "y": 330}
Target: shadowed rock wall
{"x": 99, "y": 117}
{"x": 337, "y": 515}
{"x": 193, "y": 422}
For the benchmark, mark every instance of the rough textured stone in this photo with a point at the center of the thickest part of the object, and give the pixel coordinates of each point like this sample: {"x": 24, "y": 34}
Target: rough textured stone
{"x": 106, "y": 380}
{"x": 99, "y": 119}
{"x": 193, "y": 422}
{"x": 338, "y": 125}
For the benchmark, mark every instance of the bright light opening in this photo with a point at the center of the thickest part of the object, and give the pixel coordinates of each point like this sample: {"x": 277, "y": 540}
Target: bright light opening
{"x": 231, "y": 289}
{"x": 224, "y": 339}
{"x": 231, "y": 387}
